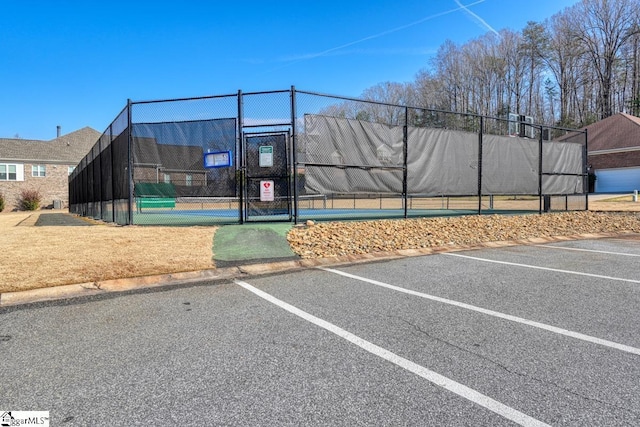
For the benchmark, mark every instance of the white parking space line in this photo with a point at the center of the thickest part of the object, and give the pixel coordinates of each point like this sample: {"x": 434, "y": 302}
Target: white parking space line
{"x": 586, "y": 250}
{"x": 550, "y": 328}
{"x": 557, "y": 270}
{"x": 435, "y": 378}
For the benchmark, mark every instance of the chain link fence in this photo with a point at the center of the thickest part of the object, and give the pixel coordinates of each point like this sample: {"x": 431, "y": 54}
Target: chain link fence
{"x": 293, "y": 155}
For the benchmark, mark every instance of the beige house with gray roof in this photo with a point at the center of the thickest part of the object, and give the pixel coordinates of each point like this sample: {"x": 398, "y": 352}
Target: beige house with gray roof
{"x": 42, "y": 165}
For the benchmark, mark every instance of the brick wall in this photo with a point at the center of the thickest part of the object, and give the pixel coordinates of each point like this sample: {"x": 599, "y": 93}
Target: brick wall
{"x": 615, "y": 160}
{"x": 53, "y": 186}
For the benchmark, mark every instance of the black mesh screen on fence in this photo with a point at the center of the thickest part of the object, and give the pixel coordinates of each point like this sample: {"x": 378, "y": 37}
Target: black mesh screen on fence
{"x": 106, "y": 181}
{"x": 97, "y": 188}
{"x": 173, "y": 153}
{"x": 90, "y": 190}
{"x": 120, "y": 159}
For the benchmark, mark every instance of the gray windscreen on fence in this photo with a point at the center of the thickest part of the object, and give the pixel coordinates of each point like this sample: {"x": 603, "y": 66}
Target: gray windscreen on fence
{"x": 349, "y": 144}
{"x": 560, "y": 158}
{"x": 355, "y": 156}
{"x": 173, "y": 153}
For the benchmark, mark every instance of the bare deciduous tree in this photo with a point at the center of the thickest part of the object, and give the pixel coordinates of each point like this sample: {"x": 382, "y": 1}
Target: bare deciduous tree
{"x": 576, "y": 67}
{"x": 605, "y": 26}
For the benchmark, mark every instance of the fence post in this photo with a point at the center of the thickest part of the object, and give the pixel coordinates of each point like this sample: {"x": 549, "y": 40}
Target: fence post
{"x": 540, "y": 198}
{"x": 129, "y": 163}
{"x": 294, "y": 155}
{"x": 405, "y": 175}
{"x": 100, "y": 174}
{"x": 240, "y": 161}
{"x": 113, "y": 171}
{"x": 586, "y": 171}
{"x": 480, "y": 134}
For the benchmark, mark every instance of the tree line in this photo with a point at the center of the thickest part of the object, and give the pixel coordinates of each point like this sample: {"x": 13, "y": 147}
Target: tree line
{"x": 577, "y": 67}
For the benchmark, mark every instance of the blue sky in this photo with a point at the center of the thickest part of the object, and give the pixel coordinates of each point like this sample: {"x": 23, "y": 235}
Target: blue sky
{"x": 75, "y": 63}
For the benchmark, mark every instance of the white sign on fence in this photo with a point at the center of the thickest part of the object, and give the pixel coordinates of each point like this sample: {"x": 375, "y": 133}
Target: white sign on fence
{"x": 266, "y": 191}
{"x": 266, "y": 156}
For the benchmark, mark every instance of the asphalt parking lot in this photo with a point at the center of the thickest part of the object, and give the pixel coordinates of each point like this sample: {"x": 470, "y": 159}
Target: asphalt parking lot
{"x": 528, "y": 335}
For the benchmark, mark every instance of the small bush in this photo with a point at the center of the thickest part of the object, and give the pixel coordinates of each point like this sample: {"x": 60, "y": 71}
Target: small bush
{"x": 30, "y": 200}
{"x": 1, "y": 202}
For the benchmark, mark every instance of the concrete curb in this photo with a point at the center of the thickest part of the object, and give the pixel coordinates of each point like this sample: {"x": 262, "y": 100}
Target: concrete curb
{"x": 9, "y": 299}
{"x": 116, "y": 285}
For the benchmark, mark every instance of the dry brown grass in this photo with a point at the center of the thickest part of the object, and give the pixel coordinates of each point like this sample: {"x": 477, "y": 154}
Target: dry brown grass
{"x": 620, "y": 203}
{"x": 35, "y": 257}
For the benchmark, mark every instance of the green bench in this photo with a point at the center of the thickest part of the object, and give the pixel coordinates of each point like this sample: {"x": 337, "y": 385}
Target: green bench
{"x": 154, "y": 195}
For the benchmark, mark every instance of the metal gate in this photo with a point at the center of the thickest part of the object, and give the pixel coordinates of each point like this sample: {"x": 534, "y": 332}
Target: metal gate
{"x": 267, "y": 177}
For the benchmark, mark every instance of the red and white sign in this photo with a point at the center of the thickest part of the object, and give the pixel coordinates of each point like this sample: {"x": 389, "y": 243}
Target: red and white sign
{"x": 266, "y": 191}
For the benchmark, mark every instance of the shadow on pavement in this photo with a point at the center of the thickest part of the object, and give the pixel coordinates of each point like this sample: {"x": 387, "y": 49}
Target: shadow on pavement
{"x": 60, "y": 219}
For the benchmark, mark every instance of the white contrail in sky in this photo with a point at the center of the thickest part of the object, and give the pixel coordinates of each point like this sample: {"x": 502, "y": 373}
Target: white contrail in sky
{"x": 384, "y": 33}
{"x": 477, "y": 18}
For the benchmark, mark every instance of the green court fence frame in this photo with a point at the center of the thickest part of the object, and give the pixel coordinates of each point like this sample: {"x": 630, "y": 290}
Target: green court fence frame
{"x": 291, "y": 155}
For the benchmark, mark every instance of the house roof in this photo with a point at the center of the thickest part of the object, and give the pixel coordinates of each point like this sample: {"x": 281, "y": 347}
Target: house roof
{"x": 616, "y": 132}
{"x": 147, "y": 151}
{"x": 68, "y": 149}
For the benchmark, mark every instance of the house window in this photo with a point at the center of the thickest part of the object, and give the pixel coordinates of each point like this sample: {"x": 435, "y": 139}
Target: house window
{"x": 9, "y": 172}
{"x": 167, "y": 178}
{"x": 39, "y": 170}
{"x": 188, "y": 180}
{"x": 71, "y": 169}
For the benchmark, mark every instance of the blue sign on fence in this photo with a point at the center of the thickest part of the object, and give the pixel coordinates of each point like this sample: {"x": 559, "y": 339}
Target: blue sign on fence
{"x": 218, "y": 159}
